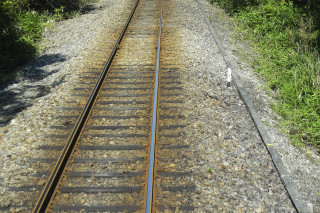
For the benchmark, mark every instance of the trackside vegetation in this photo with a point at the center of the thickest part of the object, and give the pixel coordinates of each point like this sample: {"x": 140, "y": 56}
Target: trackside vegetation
{"x": 21, "y": 26}
{"x": 286, "y": 35}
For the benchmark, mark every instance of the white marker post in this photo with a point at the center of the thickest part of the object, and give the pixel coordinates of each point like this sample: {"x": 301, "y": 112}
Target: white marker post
{"x": 229, "y": 77}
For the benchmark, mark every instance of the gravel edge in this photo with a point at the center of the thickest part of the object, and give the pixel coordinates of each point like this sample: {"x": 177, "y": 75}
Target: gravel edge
{"x": 222, "y": 62}
{"x": 285, "y": 176}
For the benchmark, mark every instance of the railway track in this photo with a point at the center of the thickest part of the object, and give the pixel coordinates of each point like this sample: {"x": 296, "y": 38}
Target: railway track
{"x": 122, "y": 144}
{"x": 127, "y": 150}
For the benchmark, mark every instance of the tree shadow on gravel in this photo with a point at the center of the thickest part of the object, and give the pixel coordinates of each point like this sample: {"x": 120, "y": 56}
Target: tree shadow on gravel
{"x": 89, "y": 8}
{"x": 17, "y": 95}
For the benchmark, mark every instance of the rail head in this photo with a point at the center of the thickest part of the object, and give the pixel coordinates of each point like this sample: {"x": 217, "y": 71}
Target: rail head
{"x": 149, "y": 198}
{"x": 55, "y": 176}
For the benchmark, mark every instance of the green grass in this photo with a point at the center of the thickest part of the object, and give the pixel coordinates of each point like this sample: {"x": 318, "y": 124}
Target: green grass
{"x": 21, "y": 26}
{"x": 20, "y": 45}
{"x": 285, "y": 38}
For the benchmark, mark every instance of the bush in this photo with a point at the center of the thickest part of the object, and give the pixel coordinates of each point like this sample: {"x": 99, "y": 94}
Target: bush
{"x": 19, "y": 34}
{"x": 52, "y": 5}
{"x": 21, "y": 25}
{"x": 13, "y": 49}
{"x": 234, "y": 6}
{"x": 286, "y": 37}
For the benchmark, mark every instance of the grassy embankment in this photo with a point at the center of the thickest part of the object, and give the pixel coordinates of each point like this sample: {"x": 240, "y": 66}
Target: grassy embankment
{"x": 21, "y": 26}
{"x": 285, "y": 35}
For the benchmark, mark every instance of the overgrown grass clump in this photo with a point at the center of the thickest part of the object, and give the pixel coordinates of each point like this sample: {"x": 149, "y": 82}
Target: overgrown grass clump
{"x": 21, "y": 26}
{"x": 285, "y": 35}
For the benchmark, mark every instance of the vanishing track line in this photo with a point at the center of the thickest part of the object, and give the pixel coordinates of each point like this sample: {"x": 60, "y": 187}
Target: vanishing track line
{"x": 126, "y": 152}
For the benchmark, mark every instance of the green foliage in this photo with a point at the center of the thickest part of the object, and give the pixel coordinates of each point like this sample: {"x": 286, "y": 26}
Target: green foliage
{"x": 21, "y": 26}
{"x": 286, "y": 37}
{"x": 311, "y": 8}
{"x": 233, "y": 6}
{"x": 31, "y": 25}
{"x": 52, "y": 5}
{"x": 13, "y": 49}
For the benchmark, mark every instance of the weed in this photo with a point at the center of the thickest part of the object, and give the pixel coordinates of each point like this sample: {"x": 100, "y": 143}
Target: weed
{"x": 210, "y": 170}
{"x": 31, "y": 25}
{"x": 21, "y": 26}
{"x": 286, "y": 39}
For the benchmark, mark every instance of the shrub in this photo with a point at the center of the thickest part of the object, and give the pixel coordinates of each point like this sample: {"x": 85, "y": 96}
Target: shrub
{"x": 21, "y": 25}
{"x": 286, "y": 37}
{"x": 233, "y": 6}
{"x": 52, "y": 5}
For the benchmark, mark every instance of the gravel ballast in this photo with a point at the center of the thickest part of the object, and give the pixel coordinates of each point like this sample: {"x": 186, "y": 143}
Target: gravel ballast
{"x": 232, "y": 169}
{"x": 43, "y": 88}
{"x": 302, "y": 164}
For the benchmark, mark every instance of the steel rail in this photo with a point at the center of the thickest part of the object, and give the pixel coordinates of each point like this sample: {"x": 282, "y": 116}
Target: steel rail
{"x": 48, "y": 191}
{"x": 149, "y": 198}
